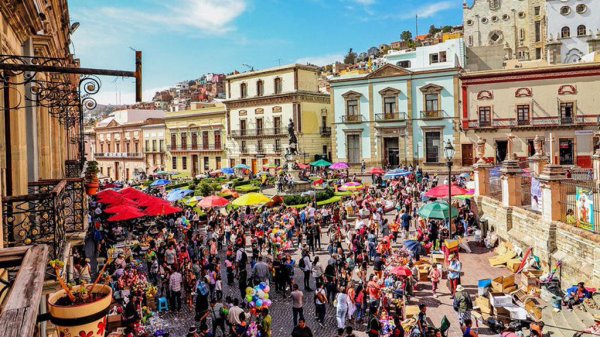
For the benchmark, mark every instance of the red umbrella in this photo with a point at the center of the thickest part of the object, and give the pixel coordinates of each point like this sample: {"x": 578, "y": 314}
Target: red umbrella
{"x": 149, "y": 201}
{"x": 107, "y": 193}
{"x": 401, "y": 271}
{"x": 377, "y": 171}
{"x": 162, "y": 209}
{"x": 213, "y": 201}
{"x": 133, "y": 194}
{"x": 441, "y": 191}
{"x": 120, "y": 208}
{"x": 117, "y": 200}
{"x": 303, "y": 166}
{"x": 127, "y": 215}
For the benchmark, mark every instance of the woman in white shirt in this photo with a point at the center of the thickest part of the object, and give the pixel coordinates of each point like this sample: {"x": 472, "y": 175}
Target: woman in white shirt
{"x": 342, "y": 308}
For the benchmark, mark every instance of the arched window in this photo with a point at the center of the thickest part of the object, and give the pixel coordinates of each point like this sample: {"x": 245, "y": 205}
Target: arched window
{"x": 243, "y": 90}
{"x": 259, "y": 88}
{"x": 581, "y": 30}
{"x": 565, "y": 32}
{"x": 278, "y": 87}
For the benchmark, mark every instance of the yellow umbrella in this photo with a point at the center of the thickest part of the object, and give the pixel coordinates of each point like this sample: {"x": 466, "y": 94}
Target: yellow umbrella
{"x": 251, "y": 199}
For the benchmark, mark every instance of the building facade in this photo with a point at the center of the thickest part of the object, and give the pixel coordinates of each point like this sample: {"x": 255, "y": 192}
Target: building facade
{"x": 260, "y": 105}
{"x": 196, "y": 139}
{"x": 154, "y": 147}
{"x": 573, "y": 29}
{"x": 525, "y": 103}
{"x": 496, "y": 31}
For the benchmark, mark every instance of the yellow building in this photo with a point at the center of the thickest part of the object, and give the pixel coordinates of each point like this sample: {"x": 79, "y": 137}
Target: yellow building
{"x": 260, "y": 105}
{"x": 195, "y": 139}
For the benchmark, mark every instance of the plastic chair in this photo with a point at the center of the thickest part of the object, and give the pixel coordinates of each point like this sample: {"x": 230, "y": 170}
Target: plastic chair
{"x": 163, "y": 305}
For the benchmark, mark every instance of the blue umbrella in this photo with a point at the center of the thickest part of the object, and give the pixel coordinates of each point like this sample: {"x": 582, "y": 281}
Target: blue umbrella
{"x": 161, "y": 182}
{"x": 415, "y": 247}
{"x": 178, "y": 194}
{"x": 396, "y": 173}
{"x": 242, "y": 166}
{"x": 227, "y": 170}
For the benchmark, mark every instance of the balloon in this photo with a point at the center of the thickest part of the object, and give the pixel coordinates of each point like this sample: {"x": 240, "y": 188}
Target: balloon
{"x": 249, "y": 291}
{"x": 251, "y": 304}
{"x": 248, "y": 298}
{"x": 267, "y": 289}
{"x": 260, "y": 294}
{"x": 262, "y": 285}
{"x": 259, "y": 303}
{"x": 267, "y": 303}
{"x": 266, "y": 297}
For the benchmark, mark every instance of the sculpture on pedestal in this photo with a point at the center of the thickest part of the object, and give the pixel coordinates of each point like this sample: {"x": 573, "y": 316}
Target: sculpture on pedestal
{"x": 481, "y": 150}
{"x": 510, "y": 154}
{"x": 538, "y": 146}
{"x": 292, "y": 140}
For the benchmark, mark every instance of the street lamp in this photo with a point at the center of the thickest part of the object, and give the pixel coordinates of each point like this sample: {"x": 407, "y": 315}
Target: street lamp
{"x": 449, "y": 154}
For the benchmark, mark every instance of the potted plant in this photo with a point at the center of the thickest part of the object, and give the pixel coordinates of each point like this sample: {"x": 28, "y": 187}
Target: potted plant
{"x": 79, "y": 310}
{"x": 91, "y": 178}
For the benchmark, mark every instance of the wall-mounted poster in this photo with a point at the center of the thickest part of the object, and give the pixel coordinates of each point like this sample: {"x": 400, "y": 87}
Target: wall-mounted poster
{"x": 585, "y": 208}
{"x": 536, "y": 195}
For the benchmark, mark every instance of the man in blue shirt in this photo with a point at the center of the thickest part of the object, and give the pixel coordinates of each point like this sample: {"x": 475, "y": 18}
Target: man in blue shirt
{"x": 454, "y": 270}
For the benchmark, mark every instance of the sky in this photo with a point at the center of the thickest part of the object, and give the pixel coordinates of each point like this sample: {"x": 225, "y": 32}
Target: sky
{"x": 183, "y": 39}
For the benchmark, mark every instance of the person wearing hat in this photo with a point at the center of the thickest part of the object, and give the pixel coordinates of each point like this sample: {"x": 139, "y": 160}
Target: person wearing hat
{"x": 462, "y": 304}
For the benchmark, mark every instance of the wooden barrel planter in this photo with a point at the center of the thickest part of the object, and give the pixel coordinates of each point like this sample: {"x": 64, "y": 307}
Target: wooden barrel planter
{"x": 88, "y": 319}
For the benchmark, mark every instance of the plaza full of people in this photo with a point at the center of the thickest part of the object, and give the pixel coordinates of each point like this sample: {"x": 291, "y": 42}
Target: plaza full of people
{"x": 358, "y": 259}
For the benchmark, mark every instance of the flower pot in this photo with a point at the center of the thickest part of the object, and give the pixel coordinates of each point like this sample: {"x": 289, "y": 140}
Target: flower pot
{"x": 92, "y": 187}
{"x": 85, "y": 320}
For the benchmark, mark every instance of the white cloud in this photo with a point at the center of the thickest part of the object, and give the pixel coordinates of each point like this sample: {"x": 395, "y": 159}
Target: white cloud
{"x": 431, "y": 10}
{"x": 321, "y": 60}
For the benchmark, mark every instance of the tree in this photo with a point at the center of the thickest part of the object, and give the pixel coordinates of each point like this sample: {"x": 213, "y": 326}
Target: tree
{"x": 446, "y": 29}
{"x": 433, "y": 30}
{"x": 406, "y": 36}
{"x": 350, "y": 58}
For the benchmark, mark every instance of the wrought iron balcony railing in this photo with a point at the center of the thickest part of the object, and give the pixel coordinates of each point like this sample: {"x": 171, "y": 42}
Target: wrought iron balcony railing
{"x": 258, "y": 132}
{"x": 119, "y": 155}
{"x": 325, "y": 131}
{"x": 390, "y": 117}
{"x": 196, "y": 148}
{"x": 352, "y": 119}
{"x": 433, "y": 114}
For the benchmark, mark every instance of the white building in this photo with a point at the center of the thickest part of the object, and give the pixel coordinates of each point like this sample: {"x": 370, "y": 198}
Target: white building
{"x": 154, "y": 146}
{"x": 444, "y": 55}
{"x": 573, "y": 29}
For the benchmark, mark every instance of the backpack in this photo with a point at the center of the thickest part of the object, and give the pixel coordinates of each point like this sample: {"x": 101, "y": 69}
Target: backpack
{"x": 302, "y": 264}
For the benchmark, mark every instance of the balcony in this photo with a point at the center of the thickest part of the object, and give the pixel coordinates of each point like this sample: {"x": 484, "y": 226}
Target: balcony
{"x": 390, "y": 117}
{"x": 197, "y": 148}
{"x": 52, "y": 210}
{"x": 244, "y": 150}
{"x": 352, "y": 119}
{"x": 433, "y": 114}
{"x": 325, "y": 131}
{"x": 262, "y": 132}
{"x": 118, "y": 155}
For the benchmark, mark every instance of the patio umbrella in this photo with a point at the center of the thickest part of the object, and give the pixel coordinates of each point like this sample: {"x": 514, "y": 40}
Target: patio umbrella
{"x": 178, "y": 194}
{"x": 395, "y": 174}
{"x": 401, "y": 271}
{"x": 160, "y": 210}
{"x": 117, "y": 200}
{"x": 302, "y": 166}
{"x": 320, "y": 163}
{"x": 120, "y": 208}
{"x": 441, "y": 191}
{"x": 127, "y": 215}
{"x": 227, "y": 170}
{"x": 465, "y": 175}
{"x": 437, "y": 210}
{"x": 150, "y": 201}
{"x": 132, "y": 193}
{"x": 251, "y": 199}
{"x": 107, "y": 193}
{"x": 376, "y": 171}
{"x": 276, "y": 200}
{"x": 213, "y": 201}
{"x": 229, "y": 193}
{"x": 242, "y": 167}
{"x": 352, "y": 186}
{"x": 270, "y": 165}
{"x": 339, "y": 166}
{"x": 192, "y": 201}
{"x": 160, "y": 182}
{"x": 415, "y": 247}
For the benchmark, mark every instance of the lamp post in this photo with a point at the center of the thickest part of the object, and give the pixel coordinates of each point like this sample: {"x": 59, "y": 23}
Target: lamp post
{"x": 449, "y": 154}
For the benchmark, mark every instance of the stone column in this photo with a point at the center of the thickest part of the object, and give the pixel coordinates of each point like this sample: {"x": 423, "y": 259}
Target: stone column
{"x": 538, "y": 161}
{"x": 482, "y": 171}
{"x": 550, "y": 183}
{"x": 511, "y": 178}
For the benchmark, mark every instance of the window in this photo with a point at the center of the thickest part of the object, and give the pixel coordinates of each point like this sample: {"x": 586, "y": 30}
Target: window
{"x": 154, "y": 145}
{"x": 259, "y": 146}
{"x": 495, "y": 37}
{"x": 147, "y": 142}
{"x": 536, "y": 10}
{"x": 243, "y": 90}
{"x": 389, "y": 104}
{"x": 205, "y": 140}
{"x": 243, "y": 127}
{"x": 470, "y": 40}
{"x": 567, "y": 113}
{"x": 523, "y": 114}
{"x": 522, "y": 34}
{"x": 484, "y": 20}
{"x": 431, "y": 102}
{"x": 259, "y": 126}
{"x": 505, "y": 17}
{"x": 218, "y": 163}
{"x": 494, "y": 18}
{"x": 217, "y": 140}
{"x": 101, "y": 148}
{"x": 403, "y": 64}
{"x": 494, "y": 4}
{"x": 538, "y": 53}
{"x": 277, "y": 146}
{"x": 194, "y": 140}
{"x": 434, "y": 58}
{"x": 432, "y": 146}
{"x": 206, "y": 166}
{"x": 581, "y": 8}
{"x": 565, "y": 151}
{"x": 277, "y": 124}
{"x": 184, "y": 163}
{"x": 442, "y": 56}
{"x": 538, "y": 31}
{"x": 352, "y": 107}
{"x": 565, "y": 10}
{"x": 174, "y": 163}
{"x": 353, "y": 143}
{"x": 469, "y": 22}
{"x": 127, "y": 148}
{"x": 278, "y": 87}
{"x": 565, "y": 32}
{"x": 485, "y": 116}
{"x": 173, "y": 141}
{"x": 162, "y": 145}
{"x": 244, "y": 148}
{"x": 277, "y": 162}
{"x": 118, "y": 147}
{"x": 183, "y": 140}
{"x": 581, "y": 30}
{"x": 136, "y": 147}
{"x": 521, "y": 15}
{"x": 259, "y": 88}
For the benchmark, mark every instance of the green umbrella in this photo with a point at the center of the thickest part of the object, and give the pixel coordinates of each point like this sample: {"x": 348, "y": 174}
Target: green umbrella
{"x": 321, "y": 163}
{"x": 437, "y": 210}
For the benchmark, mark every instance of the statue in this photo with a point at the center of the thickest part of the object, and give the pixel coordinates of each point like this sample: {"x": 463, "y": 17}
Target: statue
{"x": 293, "y": 141}
{"x": 481, "y": 150}
{"x": 510, "y": 154}
{"x": 538, "y": 146}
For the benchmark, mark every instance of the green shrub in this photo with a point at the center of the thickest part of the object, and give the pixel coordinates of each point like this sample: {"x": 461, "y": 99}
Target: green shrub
{"x": 174, "y": 186}
{"x": 329, "y": 201}
{"x": 203, "y": 189}
{"x": 216, "y": 187}
{"x": 247, "y": 188}
{"x": 296, "y": 199}
{"x": 325, "y": 194}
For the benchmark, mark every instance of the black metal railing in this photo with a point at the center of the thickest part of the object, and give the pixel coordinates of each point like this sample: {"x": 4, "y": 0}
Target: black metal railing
{"x": 73, "y": 168}
{"x": 197, "y": 147}
{"x": 119, "y": 155}
{"x": 258, "y": 132}
{"x": 325, "y": 131}
{"x": 352, "y": 119}
{"x": 433, "y": 114}
{"x": 390, "y": 116}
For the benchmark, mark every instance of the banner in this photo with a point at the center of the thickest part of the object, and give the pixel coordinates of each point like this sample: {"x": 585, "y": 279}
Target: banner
{"x": 536, "y": 195}
{"x": 585, "y": 208}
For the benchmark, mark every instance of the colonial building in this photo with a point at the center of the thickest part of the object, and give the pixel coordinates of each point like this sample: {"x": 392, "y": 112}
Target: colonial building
{"x": 120, "y": 141}
{"x": 401, "y": 113}
{"x": 573, "y": 29}
{"x": 562, "y": 100}
{"x": 260, "y": 105}
{"x": 497, "y": 31}
{"x": 89, "y": 141}
{"x": 154, "y": 146}
{"x": 196, "y": 139}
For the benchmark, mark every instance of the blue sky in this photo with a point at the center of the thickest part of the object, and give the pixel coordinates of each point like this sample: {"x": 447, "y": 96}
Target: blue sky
{"x": 183, "y": 39}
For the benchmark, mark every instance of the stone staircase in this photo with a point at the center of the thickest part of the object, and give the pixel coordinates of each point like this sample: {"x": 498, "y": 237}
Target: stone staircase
{"x": 566, "y": 323}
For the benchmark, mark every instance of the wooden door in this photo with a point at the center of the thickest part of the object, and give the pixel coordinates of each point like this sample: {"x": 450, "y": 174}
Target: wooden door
{"x": 467, "y": 154}
{"x": 254, "y": 166}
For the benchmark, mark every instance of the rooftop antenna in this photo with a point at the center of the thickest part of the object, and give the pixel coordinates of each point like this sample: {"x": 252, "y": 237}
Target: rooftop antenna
{"x": 416, "y": 27}
{"x": 278, "y": 61}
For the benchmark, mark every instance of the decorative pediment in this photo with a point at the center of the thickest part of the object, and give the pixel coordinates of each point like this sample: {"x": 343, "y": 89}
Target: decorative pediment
{"x": 276, "y": 109}
{"x": 243, "y": 112}
{"x": 485, "y": 94}
{"x": 259, "y": 111}
{"x": 567, "y": 89}
{"x": 351, "y": 94}
{"x": 431, "y": 89}
{"x": 112, "y": 123}
{"x": 523, "y": 92}
{"x": 389, "y": 70}
{"x": 389, "y": 92}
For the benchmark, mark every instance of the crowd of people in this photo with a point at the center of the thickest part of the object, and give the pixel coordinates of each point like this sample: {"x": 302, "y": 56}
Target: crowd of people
{"x": 265, "y": 251}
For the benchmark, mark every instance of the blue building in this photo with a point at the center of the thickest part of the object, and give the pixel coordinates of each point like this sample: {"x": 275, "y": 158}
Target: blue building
{"x": 401, "y": 113}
